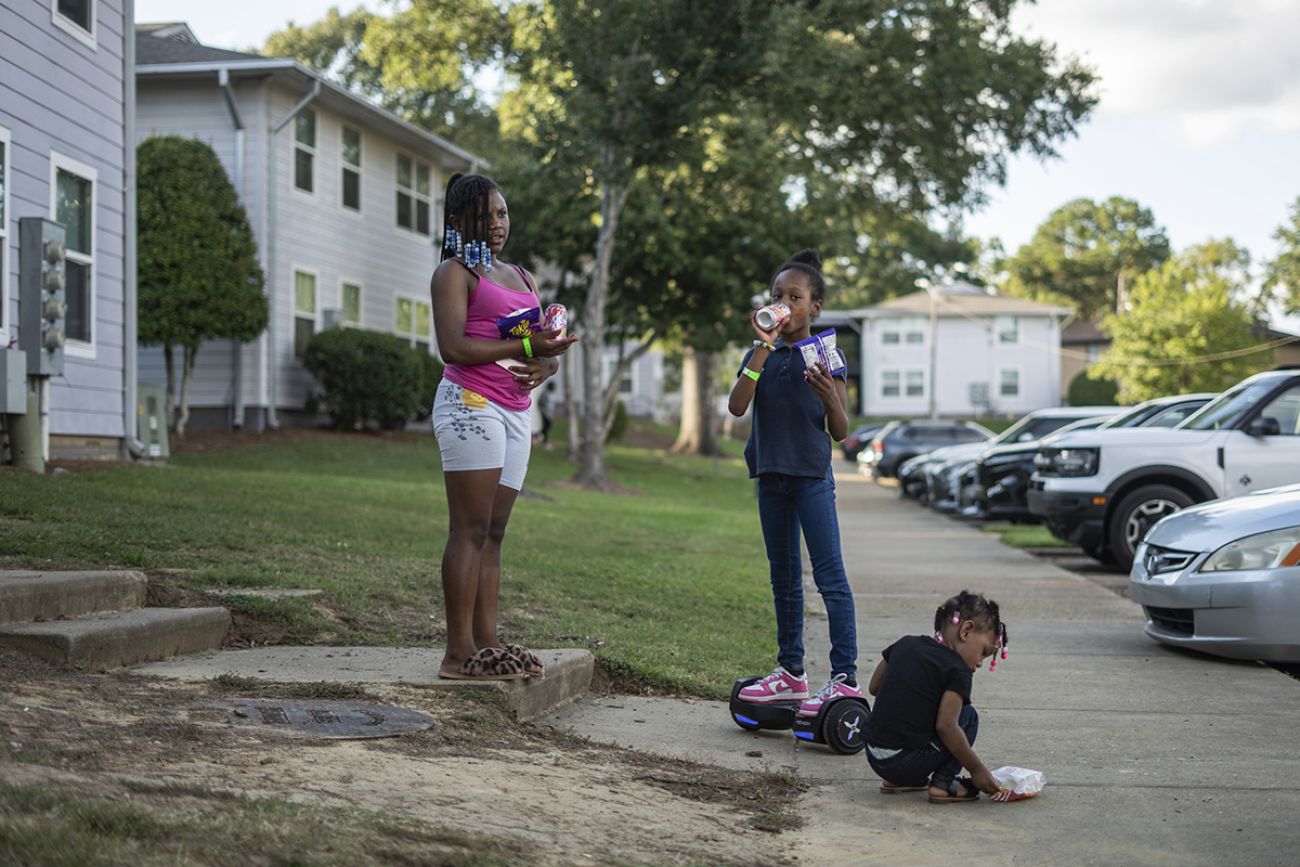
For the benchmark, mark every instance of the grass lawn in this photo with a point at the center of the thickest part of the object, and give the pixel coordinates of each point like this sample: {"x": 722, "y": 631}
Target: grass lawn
{"x": 1025, "y": 535}
{"x": 668, "y": 586}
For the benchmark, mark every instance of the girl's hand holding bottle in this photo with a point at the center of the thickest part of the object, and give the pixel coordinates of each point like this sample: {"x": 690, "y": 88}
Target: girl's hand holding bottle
{"x": 824, "y": 384}
{"x": 768, "y": 335}
{"x": 547, "y": 344}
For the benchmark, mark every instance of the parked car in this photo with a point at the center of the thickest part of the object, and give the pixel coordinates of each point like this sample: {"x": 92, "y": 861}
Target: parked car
{"x": 1161, "y": 411}
{"x": 1224, "y": 577}
{"x": 996, "y": 484}
{"x": 901, "y": 440}
{"x": 1032, "y": 426}
{"x": 859, "y": 438}
{"x": 1102, "y": 490}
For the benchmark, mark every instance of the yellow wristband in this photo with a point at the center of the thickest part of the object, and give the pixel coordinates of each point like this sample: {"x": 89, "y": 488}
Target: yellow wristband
{"x": 528, "y": 347}
{"x": 752, "y": 374}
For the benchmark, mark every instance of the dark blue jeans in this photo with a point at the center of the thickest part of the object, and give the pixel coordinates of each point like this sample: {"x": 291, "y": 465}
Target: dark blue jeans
{"x": 785, "y": 504}
{"x": 932, "y": 764}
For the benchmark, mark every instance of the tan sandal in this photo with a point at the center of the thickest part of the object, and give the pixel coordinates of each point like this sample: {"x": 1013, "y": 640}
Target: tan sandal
{"x": 490, "y": 663}
{"x": 891, "y": 789}
{"x": 532, "y": 665}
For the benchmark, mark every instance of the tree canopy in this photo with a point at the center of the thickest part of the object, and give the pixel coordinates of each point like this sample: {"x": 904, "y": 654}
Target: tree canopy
{"x": 1080, "y": 253}
{"x": 1283, "y": 274}
{"x": 1188, "y": 327}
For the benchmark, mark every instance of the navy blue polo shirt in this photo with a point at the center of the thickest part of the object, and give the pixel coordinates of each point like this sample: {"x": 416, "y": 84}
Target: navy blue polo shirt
{"x": 788, "y": 434}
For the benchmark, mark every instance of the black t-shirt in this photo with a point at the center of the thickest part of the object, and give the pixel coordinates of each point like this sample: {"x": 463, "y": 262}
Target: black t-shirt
{"x": 919, "y": 671}
{"x": 788, "y": 434}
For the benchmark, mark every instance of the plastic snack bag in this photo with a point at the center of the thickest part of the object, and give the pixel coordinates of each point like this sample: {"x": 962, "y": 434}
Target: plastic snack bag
{"x": 1018, "y": 783}
{"x": 820, "y": 349}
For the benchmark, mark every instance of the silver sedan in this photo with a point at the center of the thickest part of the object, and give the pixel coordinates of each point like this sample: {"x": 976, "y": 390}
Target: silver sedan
{"x": 1224, "y": 577}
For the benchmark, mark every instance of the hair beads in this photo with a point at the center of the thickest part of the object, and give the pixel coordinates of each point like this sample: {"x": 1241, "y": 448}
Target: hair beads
{"x": 972, "y": 606}
{"x": 466, "y": 201}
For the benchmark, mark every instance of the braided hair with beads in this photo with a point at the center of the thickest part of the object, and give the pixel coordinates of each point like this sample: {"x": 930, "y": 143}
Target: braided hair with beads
{"x": 973, "y": 606}
{"x": 466, "y": 200}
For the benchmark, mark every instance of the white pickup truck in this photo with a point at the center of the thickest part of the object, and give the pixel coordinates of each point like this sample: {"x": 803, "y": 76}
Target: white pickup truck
{"x": 1103, "y": 489}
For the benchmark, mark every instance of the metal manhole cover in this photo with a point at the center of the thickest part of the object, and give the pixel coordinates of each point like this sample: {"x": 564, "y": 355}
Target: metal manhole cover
{"x": 322, "y": 719}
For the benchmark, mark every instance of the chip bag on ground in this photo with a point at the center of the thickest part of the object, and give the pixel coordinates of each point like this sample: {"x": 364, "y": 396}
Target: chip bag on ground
{"x": 1020, "y": 783}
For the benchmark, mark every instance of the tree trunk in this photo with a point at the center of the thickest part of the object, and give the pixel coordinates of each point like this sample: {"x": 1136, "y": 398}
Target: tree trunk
{"x": 171, "y": 386}
{"x": 574, "y": 430}
{"x": 696, "y": 436}
{"x": 188, "y": 354}
{"x": 612, "y": 199}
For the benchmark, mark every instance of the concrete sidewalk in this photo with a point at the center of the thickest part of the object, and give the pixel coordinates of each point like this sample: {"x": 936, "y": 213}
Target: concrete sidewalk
{"x": 1152, "y": 755}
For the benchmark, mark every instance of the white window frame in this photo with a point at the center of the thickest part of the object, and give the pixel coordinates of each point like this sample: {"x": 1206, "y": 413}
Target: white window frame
{"x": 902, "y": 328}
{"x": 412, "y": 336}
{"x": 361, "y": 300}
{"x": 6, "y": 260}
{"x": 80, "y": 348}
{"x": 999, "y": 328}
{"x": 1020, "y": 382}
{"x": 294, "y": 313}
{"x": 345, "y": 167}
{"x": 897, "y": 372}
{"x": 89, "y": 38}
{"x": 413, "y": 192}
{"x": 920, "y": 376}
{"x": 313, "y": 150}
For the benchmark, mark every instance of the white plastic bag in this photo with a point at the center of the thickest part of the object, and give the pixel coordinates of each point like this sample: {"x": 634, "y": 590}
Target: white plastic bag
{"x": 1019, "y": 782}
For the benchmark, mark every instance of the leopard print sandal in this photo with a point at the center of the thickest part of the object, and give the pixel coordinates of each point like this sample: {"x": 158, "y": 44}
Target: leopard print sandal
{"x": 490, "y": 663}
{"x": 532, "y": 665}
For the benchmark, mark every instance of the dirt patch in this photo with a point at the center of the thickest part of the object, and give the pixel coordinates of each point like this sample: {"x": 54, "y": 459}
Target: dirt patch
{"x": 477, "y": 779}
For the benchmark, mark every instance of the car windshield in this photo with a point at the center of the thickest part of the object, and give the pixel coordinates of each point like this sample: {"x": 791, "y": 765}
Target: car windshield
{"x": 1012, "y": 433}
{"x": 1132, "y": 418}
{"x": 1228, "y": 408}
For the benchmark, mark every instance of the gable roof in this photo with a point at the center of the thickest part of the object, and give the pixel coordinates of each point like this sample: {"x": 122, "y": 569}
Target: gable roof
{"x": 176, "y": 57}
{"x": 962, "y": 299}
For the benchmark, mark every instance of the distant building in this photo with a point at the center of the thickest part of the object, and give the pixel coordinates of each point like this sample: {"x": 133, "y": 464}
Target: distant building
{"x": 345, "y": 202}
{"x": 994, "y": 354}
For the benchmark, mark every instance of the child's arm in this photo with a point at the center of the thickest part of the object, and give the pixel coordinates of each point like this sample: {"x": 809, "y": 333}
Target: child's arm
{"x": 952, "y": 737}
{"x": 742, "y": 393}
{"x": 831, "y": 391}
{"x": 877, "y": 678}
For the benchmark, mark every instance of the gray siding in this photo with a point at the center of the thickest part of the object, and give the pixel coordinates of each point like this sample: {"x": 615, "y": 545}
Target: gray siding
{"x": 58, "y": 94}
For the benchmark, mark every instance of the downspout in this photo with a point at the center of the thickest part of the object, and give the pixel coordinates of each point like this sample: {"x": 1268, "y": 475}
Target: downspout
{"x": 272, "y": 415}
{"x": 130, "y": 331}
{"x": 237, "y": 362}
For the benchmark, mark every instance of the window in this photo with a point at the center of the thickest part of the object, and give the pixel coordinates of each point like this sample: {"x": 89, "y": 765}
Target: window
{"x": 910, "y": 330}
{"x": 351, "y": 168}
{"x": 626, "y": 385}
{"x": 304, "y": 150}
{"x": 414, "y": 184}
{"x": 350, "y": 303}
{"x": 414, "y": 321}
{"x": 890, "y": 383}
{"x": 1009, "y": 382}
{"x": 72, "y": 194}
{"x": 916, "y": 383}
{"x": 1285, "y": 409}
{"x": 76, "y": 17}
{"x": 4, "y": 235}
{"x": 1008, "y": 329}
{"x": 304, "y": 310}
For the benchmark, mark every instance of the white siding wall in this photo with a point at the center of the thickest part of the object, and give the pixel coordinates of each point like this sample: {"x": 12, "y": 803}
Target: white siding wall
{"x": 198, "y": 110}
{"x": 969, "y": 353}
{"x": 314, "y": 231}
{"x": 58, "y": 94}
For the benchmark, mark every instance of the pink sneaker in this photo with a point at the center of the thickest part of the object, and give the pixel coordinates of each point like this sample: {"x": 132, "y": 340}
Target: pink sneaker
{"x": 834, "y": 688}
{"x": 780, "y": 685}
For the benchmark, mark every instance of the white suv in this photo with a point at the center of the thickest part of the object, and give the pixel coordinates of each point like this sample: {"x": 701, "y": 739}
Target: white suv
{"x": 1103, "y": 489}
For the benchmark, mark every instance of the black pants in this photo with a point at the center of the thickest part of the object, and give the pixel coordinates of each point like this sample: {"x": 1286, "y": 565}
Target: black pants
{"x": 932, "y": 764}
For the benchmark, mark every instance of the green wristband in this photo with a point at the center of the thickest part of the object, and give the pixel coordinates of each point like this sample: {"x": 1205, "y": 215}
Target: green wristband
{"x": 528, "y": 347}
{"x": 752, "y": 374}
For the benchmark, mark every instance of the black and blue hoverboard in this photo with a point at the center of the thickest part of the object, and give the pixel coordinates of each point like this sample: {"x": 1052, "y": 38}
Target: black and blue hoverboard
{"x": 838, "y": 723}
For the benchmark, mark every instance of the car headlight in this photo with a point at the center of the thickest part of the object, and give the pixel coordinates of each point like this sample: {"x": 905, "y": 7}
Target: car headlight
{"x": 1067, "y": 462}
{"x": 1273, "y": 550}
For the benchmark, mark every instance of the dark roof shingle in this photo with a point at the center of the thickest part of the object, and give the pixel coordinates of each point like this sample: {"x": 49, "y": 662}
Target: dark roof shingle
{"x": 150, "y": 51}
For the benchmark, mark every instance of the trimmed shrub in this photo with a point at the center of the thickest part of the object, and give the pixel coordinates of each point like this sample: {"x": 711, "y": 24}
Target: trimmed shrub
{"x": 618, "y": 426}
{"x": 430, "y": 377}
{"x": 366, "y": 376}
{"x": 1086, "y": 391}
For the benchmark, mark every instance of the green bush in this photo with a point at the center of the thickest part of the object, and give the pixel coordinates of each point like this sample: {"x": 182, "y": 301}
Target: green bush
{"x": 1086, "y": 391}
{"x": 367, "y": 376}
{"x": 430, "y": 377}
{"x": 618, "y": 426}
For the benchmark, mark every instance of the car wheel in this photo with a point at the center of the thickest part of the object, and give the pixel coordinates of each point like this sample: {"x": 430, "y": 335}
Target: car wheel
{"x": 1135, "y": 514}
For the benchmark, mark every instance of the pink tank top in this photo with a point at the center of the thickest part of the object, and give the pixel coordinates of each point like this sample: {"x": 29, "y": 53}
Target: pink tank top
{"x": 487, "y": 303}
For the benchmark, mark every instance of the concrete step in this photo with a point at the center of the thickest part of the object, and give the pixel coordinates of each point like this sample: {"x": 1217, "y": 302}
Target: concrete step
{"x": 50, "y": 595}
{"x": 568, "y": 671}
{"x": 120, "y": 638}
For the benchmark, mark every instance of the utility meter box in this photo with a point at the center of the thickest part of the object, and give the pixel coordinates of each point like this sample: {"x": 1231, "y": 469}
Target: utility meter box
{"x": 151, "y": 424}
{"x": 41, "y": 296}
{"x": 13, "y": 381}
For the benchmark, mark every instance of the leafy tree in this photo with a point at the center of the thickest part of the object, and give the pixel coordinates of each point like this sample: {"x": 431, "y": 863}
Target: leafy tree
{"x": 198, "y": 272}
{"x": 1086, "y": 390}
{"x": 1187, "y": 327}
{"x": 1283, "y": 273}
{"x": 1085, "y": 250}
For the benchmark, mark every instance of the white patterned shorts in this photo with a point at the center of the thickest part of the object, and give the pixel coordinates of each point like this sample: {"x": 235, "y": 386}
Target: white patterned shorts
{"x": 476, "y": 434}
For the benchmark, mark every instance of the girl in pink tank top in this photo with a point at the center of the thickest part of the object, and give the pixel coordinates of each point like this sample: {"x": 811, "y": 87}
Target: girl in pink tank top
{"x": 481, "y": 420}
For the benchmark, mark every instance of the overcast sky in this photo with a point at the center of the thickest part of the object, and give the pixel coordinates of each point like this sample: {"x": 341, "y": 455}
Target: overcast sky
{"x": 1199, "y": 118}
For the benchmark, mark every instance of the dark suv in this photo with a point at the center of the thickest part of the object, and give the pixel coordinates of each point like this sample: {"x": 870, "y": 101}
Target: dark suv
{"x": 900, "y": 440}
